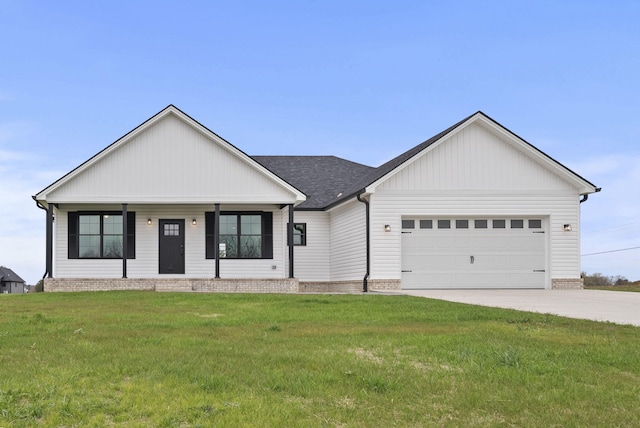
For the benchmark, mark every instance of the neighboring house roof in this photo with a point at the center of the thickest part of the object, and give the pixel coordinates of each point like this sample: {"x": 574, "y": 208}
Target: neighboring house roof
{"x": 7, "y": 275}
{"x": 322, "y": 178}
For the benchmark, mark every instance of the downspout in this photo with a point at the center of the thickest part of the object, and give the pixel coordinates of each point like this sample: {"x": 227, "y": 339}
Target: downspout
{"x": 47, "y": 264}
{"x": 365, "y": 285}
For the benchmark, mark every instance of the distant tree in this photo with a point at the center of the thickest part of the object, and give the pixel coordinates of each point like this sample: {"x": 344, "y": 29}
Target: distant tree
{"x": 596, "y": 280}
{"x": 39, "y": 287}
{"x": 620, "y": 280}
{"x": 600, "y": 280}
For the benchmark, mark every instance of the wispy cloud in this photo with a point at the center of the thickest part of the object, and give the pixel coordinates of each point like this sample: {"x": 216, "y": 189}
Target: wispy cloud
{"x": 611, "y": 219}
{"x": 22, "y": 231}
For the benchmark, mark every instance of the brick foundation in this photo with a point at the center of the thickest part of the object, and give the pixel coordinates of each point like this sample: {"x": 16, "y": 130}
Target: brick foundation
{"x": 567, "y": 283}
{"x": 385, "y": 285}
{"x": 173, "y": 284}
{"x": 331, "y": 287}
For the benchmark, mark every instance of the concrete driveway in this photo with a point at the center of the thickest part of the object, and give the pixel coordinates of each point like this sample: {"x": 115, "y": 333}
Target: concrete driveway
{"x": 614, "y": 306}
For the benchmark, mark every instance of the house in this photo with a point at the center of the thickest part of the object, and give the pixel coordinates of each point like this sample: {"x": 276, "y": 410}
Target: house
{"x": 10, "y": 282}
{"x": 173, "y": 206}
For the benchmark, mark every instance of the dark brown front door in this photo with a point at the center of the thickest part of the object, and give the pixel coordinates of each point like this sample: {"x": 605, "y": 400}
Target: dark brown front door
{"x": 171, "y": 246}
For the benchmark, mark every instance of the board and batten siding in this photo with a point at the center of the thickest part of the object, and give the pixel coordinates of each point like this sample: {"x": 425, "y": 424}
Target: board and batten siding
{"x": 145, "y": 265}
{"x": 348, "y": 241}
{"x": 171, "y": 161}
{"x": 476, "y": 173}
{"x": 311, "y": 261}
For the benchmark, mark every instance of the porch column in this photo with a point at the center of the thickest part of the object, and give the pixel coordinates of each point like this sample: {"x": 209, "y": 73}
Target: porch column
{"x": 124, "y": 240}
{"x": 290, "y": 240}
{"x": 49, "y": 252}
{"x": 216, "y": 239}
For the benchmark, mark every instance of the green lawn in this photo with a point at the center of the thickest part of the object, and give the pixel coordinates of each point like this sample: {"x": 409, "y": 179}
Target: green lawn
{"x": 174, "y": 359}
{"x": 634, "y": 287}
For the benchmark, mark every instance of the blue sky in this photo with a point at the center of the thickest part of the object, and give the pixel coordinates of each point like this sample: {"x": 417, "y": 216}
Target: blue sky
{"x": 363, "y": 80}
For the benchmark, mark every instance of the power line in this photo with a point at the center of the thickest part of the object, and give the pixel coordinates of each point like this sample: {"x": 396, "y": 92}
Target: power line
{"x": 610, "y": 251}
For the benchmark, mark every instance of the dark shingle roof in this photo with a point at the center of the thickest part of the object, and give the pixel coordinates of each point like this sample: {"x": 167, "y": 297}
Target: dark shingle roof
{"x": 7, "y": 275}
{"x": 329, "y": 180}
{"x": 321, "y": 178}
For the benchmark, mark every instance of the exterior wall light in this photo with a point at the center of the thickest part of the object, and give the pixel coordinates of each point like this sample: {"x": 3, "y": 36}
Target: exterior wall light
{"x": 149, "y": 222}
{"x": 567, "y": 227}
{"x": 387, "y": 228}
{"x": 194, "y": 222}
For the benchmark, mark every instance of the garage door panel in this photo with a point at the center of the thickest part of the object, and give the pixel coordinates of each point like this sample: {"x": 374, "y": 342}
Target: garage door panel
{"x": 474, "y": 258}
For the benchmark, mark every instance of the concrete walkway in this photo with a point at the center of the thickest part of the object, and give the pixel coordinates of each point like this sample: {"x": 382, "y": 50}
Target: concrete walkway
{"x": 614, "y": 306}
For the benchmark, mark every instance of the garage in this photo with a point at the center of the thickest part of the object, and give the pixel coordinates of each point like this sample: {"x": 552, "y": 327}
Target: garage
{"x": 499, "y": 252}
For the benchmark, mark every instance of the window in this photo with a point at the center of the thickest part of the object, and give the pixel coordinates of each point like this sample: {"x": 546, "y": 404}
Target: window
{"x": 98, "y": 235}
{"x": 535, "y": 224}
{"x": 480, "y": 224}
{"x": 517, "y": 224}
{"x": 171, "y": 229}
{"x": 462, "y": 224}
{"x": 300, "y": 234}
{"x": 408, "y": 224}
{"x": 243, "y": 235}
{"x": 444, "y": 224}
{"x": 426, "y": 224}
{"x": 499, "y": 224}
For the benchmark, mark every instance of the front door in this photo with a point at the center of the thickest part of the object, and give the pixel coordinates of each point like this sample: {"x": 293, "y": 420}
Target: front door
{"x": 171, "y": 246}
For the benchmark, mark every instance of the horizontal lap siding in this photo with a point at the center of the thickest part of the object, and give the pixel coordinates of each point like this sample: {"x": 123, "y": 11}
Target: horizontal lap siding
{"x": 145, "y": 265}
{"x": 311, "y": 262}
{"x": 348, "y": 242}
{"x": 389, "y": 207}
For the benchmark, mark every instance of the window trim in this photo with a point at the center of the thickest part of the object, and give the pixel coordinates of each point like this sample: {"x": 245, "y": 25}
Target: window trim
{"x": 73, "y": 234}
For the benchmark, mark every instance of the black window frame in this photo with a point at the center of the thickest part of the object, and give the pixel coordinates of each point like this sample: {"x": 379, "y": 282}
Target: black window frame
{"x": 73, "y": 234}
{"x": 300, "y": 230}
{"x": 266, "y": 234}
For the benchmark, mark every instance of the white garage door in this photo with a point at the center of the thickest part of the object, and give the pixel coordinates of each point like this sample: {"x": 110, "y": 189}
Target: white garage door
{"x": 473, "y": 253}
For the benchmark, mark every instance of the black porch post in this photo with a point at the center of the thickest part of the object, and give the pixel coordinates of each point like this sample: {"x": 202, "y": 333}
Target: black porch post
{"x": 124, "y": 240}
{"x": 216, "y": 239}
{"x": 49, "y": 252}
{"x": 290, "y": 240}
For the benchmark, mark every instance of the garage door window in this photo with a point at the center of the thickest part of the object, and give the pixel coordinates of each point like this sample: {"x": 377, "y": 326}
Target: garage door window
{"x": 480, "y": 224}
{"x": 444, "y": 224}
{"x": 535, "y": 224}
{"x": 426, "y": 224}
{"x": 462, "y": 224}
{"x": 408, "y": 224}
{"x": 499, "y": 224}
{"x": 517, "y": 224}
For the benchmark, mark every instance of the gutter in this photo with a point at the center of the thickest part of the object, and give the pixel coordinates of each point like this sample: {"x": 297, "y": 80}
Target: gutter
{"x": 586, "y": 195}
{"x": 365, "y": 285}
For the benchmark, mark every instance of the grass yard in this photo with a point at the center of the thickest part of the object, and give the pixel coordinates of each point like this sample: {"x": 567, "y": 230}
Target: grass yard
{"x": 187, "y": 359}
{"x": 634, "y": 287}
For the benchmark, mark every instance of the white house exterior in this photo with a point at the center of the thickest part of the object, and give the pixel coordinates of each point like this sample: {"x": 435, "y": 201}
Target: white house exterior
{"x": 473, "y": 207}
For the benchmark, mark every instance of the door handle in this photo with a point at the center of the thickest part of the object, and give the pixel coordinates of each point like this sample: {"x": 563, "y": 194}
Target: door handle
{"x": 472, "y": 259}
{"x": 181, "y": 250}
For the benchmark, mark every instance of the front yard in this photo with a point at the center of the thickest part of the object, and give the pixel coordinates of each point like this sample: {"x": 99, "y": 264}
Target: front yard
{"x": 174, "y": 359}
